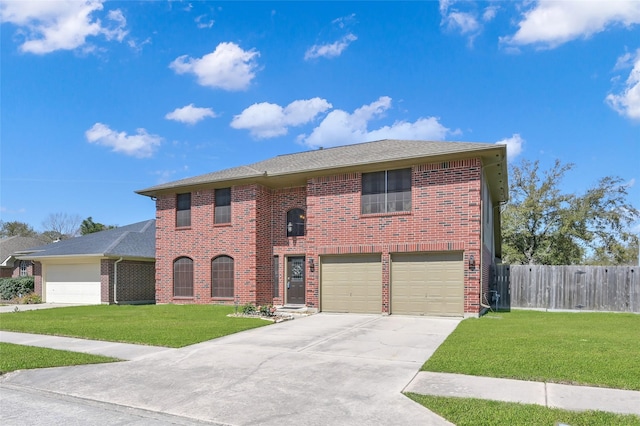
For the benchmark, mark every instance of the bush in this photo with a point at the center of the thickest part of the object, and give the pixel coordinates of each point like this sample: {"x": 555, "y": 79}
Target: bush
{"x": 248, "y": 309}
{"x": 11, "y": 288}
{"x": 31, "y": 299}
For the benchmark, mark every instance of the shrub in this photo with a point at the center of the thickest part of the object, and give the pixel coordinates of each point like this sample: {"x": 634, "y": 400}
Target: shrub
{"x": 31, "y": 299}
{"x": 267, "y": 310}
{"x": 16, "y": 287}
{"x": 248, "y": 309}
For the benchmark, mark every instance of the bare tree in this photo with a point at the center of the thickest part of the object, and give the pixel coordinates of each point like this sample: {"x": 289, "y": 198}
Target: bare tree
{"x": 60, "y": 226}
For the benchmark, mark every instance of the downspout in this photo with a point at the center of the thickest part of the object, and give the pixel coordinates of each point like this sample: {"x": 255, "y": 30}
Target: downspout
{"x": 481, "y": 254}
{"x": 115, "y": 280}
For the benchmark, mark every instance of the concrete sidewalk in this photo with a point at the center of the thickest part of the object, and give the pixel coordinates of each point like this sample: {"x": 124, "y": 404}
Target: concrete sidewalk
{"x": 553, "y": 395}
{"x": 353, "y": 346}
{"x": 125, "y": 351}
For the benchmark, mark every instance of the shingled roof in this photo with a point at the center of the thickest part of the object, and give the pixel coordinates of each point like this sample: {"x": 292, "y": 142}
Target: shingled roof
{"x": 137, "y": 241}
{"x": 296, "y": 168}
{"x": 10, "y": 245}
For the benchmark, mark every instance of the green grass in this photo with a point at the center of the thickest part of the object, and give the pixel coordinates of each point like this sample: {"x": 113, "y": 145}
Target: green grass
{"x": 476, "y": 412}
{"x": 159, "y": 325}
{"x": 19, "y": 357}
{"x": 596, "y": 349}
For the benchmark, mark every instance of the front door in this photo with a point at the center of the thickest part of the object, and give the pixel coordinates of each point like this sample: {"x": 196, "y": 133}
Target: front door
{"x": 295, "y": 280}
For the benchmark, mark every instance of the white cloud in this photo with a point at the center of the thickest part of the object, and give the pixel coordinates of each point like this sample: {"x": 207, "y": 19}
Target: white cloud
{"x": 228, "y": 67}
{"x": 330, "y": 50}
{"x": 190, "y": 114}
{"x": 48, "y": 26}
{"x": 489, "y": 13}
{"x": 627, "y": 102}
{"x": 341, "y": 128}
{"x": 552, "y": 23}
{"x": 466, "y": 22}
{"x": 514, "y": 145}
{"x": 267, "y": 120}
{"x": 203, "y": 22}
{"x": 140, "y": 145}
{"x": 463, "y": 21}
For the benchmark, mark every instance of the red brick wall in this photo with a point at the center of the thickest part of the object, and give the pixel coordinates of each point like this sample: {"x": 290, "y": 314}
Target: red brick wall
{"x": 204, "y": 240}
{"x": 37, "y": 278}
{"x": 445, "y": 216}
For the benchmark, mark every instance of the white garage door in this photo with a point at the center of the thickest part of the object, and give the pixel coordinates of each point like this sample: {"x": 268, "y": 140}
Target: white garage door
{"x": 351, "y": 284}
{"x": 427, "y": 284}
{"x": 73, "y": 283}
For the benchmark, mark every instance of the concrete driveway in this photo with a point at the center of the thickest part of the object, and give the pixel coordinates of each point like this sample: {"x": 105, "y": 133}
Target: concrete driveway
{"x": 324, "y": 369}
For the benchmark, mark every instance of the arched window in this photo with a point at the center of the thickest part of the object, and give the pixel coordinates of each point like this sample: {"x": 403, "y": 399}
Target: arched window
{"x": 295, "y": 223}
{"x": 24, "y": 268}
{"x": 183, "y": 277}
{"x": 222, "y": 277}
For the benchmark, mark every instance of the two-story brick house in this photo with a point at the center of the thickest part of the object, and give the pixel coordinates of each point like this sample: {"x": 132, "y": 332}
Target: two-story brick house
{"x": 394, "y": 227}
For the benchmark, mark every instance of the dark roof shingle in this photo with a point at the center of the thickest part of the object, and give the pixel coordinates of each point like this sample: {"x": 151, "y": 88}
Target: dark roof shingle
{"x": 137, "y": 240}
{"x": 355, "y": 155}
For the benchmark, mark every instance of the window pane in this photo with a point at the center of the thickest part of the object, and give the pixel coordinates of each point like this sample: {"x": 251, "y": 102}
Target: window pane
{"x": 222, "y": 210}
{"x": 222, "y": 214}
{"x": 222, "y": 277}
{"x": 183, "y": 218}
{"x": 183, "y": 277}
{"x": 296, "y": 218}
{"x": 373, "y": 183}
{"x": 399, "y": 180}
{"x": 183, "y": 210}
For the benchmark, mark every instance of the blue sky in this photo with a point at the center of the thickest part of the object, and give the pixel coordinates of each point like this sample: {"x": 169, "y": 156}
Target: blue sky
{"x": 99, "y": 99}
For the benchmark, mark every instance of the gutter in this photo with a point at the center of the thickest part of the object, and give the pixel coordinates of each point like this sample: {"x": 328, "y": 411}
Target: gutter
{"x": 115, "y": 280}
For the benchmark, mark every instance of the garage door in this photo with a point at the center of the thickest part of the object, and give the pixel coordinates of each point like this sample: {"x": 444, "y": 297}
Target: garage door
{"x": 351, "y": 284}
{"x": 73, "y": 283}
{"x": 427, "y": 284}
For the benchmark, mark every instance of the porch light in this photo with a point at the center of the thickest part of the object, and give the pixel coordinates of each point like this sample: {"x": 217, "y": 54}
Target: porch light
{"x": 472, "y": 262}
{"x": 290, "y": 227}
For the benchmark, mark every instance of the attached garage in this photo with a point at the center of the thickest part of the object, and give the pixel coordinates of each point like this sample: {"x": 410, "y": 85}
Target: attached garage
{"x": 427, "y": 284}
{"x": 351, "y": 283}
{"x": 72, "y": 283}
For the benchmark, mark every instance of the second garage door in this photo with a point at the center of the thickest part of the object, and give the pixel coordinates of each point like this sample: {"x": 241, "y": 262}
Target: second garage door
{"x": 427, "y": 284}
{"x": 73, "y": 283}
{"x": 351, "y": 284}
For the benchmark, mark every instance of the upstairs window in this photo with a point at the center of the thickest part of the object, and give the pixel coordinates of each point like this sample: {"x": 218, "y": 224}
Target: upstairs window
{"x": 386, "y": 192}
{"x": 295, "y": 223}
{"x": 222, "y": 213}
{"x": 183, "y": 210}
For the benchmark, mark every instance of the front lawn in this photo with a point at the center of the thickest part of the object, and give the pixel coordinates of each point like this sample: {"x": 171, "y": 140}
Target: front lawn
{"x": 472, "y": 412}
{"x": 158, "y": 325}
{"x": 19, "y": 357}
{"x": 595, "y": 349}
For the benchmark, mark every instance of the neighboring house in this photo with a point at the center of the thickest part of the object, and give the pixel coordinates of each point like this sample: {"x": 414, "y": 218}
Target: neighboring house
{"x": 394, "y": 227}
{"x": 113, "y": 266}
{"x": 11, "y": 266}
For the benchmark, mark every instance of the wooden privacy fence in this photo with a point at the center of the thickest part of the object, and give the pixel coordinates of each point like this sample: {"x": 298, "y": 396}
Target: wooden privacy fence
{"x": 594, "y": 288}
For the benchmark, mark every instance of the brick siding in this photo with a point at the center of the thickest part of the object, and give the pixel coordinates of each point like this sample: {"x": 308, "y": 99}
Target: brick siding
{"x": 445, "y": 215}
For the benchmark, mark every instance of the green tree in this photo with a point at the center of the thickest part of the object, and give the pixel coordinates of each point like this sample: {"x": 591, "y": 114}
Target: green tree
{"x": 543, "y": 225}
{"x": 16, "y": 229}
{"x": 88, "y": 226}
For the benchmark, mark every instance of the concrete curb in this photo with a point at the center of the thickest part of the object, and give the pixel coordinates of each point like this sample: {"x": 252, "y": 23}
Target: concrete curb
{"x": 567, "y": 397}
